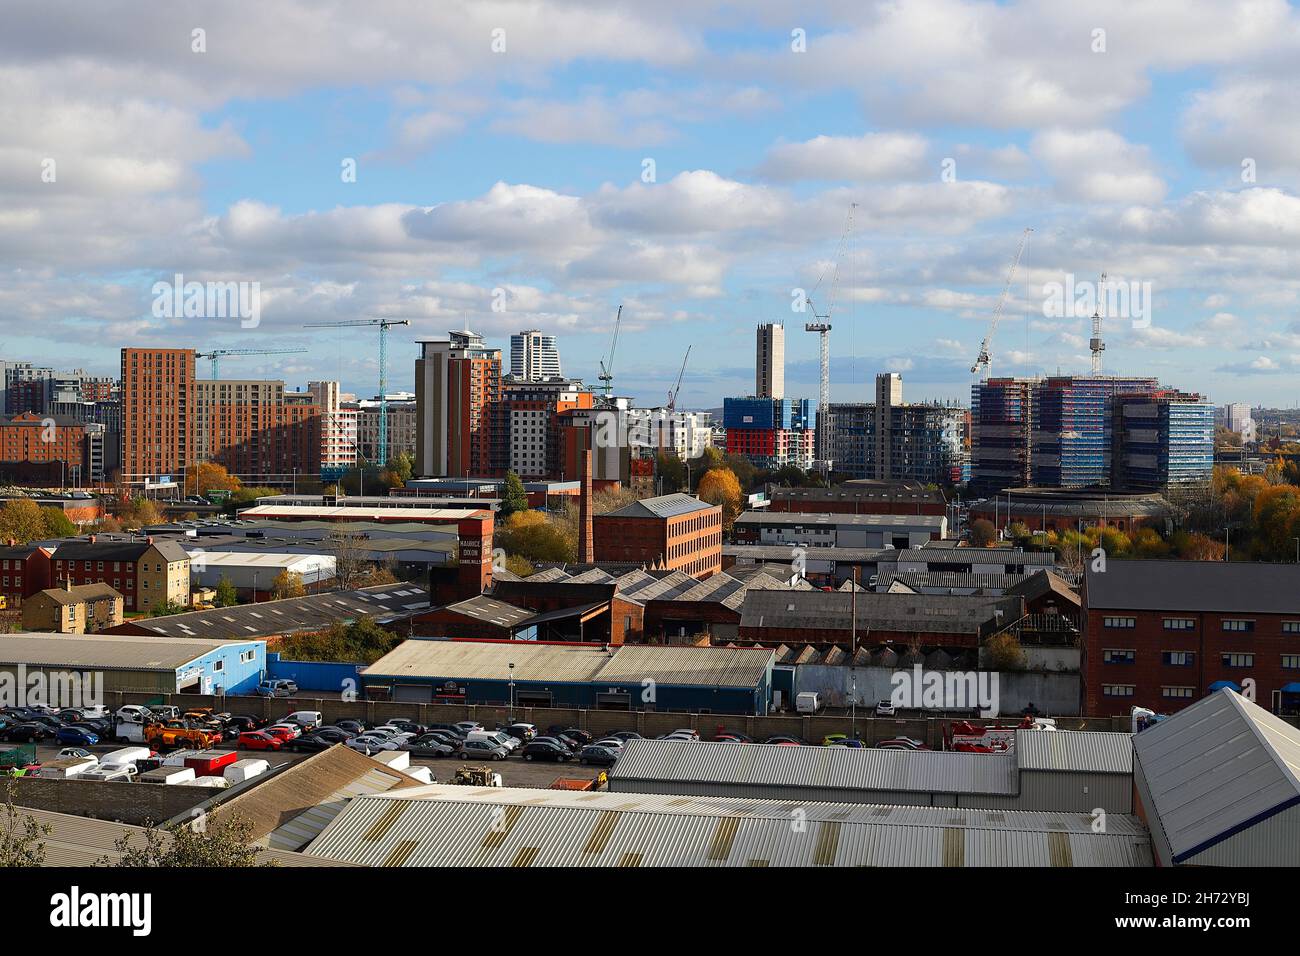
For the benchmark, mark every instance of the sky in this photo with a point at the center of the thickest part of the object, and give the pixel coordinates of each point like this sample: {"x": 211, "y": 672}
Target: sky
{"x": 499, "y": 165}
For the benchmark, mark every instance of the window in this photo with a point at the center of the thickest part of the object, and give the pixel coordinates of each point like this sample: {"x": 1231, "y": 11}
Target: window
{"x": 1118, "y": 622}
{"x": 1179, "y": 624}
{"x": 1238, "y": 660}
{"x": 1238, "y": 625}
{"x": 1181, "y": 693}
{"x": 1120, "y": 656}
{"x": 1117, "y": 690}
{"x": 1291, "y": 627}
{"x": 1178, "y": 658}
{"x": 219, "y": 666}
{"x": 1291, "y": 662}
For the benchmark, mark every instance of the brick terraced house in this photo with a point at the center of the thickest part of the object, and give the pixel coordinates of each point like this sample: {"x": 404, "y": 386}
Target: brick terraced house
{"x": 144, "y": 571}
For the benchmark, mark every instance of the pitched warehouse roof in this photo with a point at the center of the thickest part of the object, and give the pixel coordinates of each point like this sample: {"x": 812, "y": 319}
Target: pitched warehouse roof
{"x": 814, "y": 768}
{"x": 102, "y": 651}
{"x": 577, "y": 663}
{"x": 665, "y": 506}
{"x": 1216, "y": 768}
{"x": 459, "y": 826}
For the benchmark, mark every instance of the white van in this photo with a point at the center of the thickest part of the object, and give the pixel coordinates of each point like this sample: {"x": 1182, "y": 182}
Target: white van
{"x": 494, "y": 737}
{"x": 242, "y": 770}
{"x": 66, "y": 767}
{"x": 125, "y": 757}
{"x": 117, "y": 774}
{"x": 808, "y": 702}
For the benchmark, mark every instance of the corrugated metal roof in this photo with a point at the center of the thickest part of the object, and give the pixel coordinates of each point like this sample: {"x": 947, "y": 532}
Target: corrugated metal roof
{"x": 443, "y": 825}
{"x": 82, "y": 841}
{"x": 1216, "y": 767}
{"x": 816, "y": 768}
{"x": 102, "y": 651}
{"x": 1080, "y": 751}
{"x": 830, "y": 610}
{"x": 665, "y": 506}
{"x": 671, "y": 666}
{"x": 809, "y": 519}
{"x": 1244, "y": 587}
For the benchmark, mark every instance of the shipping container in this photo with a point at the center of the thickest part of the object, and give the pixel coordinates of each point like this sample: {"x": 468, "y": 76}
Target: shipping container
{"x": 167, "y": 776}
{"x": 245, "y": 769}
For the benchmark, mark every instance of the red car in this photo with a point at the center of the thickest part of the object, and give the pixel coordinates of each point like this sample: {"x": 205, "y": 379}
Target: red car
{"x": 282, "y": 734}
{"x": 902, "y": 743}
{"x": 259, "y": 740}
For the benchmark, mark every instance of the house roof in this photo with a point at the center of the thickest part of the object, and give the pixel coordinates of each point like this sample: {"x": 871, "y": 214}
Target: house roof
{"x": 1041, "y": 583}
{"x": 809, "y": 519}
{"x": 665, "y": 506}
{"x": 85, "y": 550}
{"x": 491, "y": 611}
{"x": 1216, "y": 768}
{"x": 1246, "y": 587}
{"x": 384, "y": 603}
{"x": 80, "y": 593}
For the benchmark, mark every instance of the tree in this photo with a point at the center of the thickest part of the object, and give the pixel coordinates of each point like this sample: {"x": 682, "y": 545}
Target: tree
{"x": 167, "y": 607}
{"x": 351, "y": 558}
{"x": 21, "y": 519}
{"x": 209, "y": 476}
{"x": 140, "y": 513}
{"x": 1277, "y": 521}
{"x": 539, "y": 537}
{"x": 672, "y": 470}
{"x": 720, "y": 487}
{"x": 287, "y": 584}
{"x": 519, "y": 565}
{"x": 360, "y": 642}
{"x": 223, "y": 844}
{"x": 226, "y": 595}
{"x": 57, "y": 524}
{"x": 513, "y": 496}
{"x": 1004, "y": 652}
{"x": 20, "y": 835}
{"x": 398, "y": 470}
{"x": 982, "y": 533}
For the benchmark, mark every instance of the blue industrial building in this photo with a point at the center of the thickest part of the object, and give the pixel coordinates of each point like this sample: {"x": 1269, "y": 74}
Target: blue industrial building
{"x": 720, "y": 680}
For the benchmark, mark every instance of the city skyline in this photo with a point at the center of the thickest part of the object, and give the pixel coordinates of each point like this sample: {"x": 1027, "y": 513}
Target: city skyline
{"x": 561, "y": 160}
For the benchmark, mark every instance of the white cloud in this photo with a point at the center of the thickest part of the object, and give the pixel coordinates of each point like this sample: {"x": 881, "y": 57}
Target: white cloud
{"x": 1097, "y": 165}
{"x": 871, "y": 156}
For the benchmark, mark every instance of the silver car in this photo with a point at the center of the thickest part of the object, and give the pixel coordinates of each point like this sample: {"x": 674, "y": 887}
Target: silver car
{"x": 482, "y": 750}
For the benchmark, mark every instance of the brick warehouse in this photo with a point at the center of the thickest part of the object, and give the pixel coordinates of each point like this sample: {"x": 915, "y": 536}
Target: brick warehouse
{"x": 1164, "y": 634}
{"x": 677, "y": 532}
{"x": 865, "y": 497}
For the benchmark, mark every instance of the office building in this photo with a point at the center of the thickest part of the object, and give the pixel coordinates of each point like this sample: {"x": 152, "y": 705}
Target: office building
{"x": 677, "y": 532}
{"x": 1237, "y": 417}
{"x": 534, "y": 356}
{"x": 769, "y": 366}
{"x": 158, "y": 428}
{"x": 461, "y": 429}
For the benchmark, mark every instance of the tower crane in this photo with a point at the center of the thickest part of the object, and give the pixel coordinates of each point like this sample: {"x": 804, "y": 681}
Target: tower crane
{"x": 216, "y": 354}
{"x": 672, "y": 394}
{"x": 823, "y": 329}
{"x": 384, "y": 325}
{"x": 606, "y": 375}
{"x": 1095, "y": 344}
{"x": 982, "y": 360}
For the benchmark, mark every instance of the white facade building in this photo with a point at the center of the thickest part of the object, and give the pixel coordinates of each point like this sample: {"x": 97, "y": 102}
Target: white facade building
{"x": 534, "y": 356}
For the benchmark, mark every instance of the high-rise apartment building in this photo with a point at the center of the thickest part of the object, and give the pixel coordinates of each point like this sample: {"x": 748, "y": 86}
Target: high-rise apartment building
{"x": 338, "y": 431}
{"x": 891, "y": 440}
{"x": 1001, "y": 424}
{"x": 534, "y": 356}
{"x": 461, "y": 427}
{"x": 256, "y": 429}
{"x": 1237, "y": 417}
{"x": 403, "y": 422}
{"x": 533, "y": 411}
{"x": 1072, "y": 428}
{"x": 1163, "y": 441}
{"x": 157, "y": 413}
{"x": 771, "y": 432}
{"x": 769, "y": 365}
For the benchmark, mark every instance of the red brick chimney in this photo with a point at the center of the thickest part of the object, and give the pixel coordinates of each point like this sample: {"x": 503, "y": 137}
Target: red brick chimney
{"x": 586, "y": 545}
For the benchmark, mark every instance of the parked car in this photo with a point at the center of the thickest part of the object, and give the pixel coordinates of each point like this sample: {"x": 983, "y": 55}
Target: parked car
{"x": 409, "y": 726}
{"x": 782, "y": 739}
{"x": 67, "y": 752}
{"x": 259, "y": 740}
{"x": 450, "y": 728}
{"x": 543, "y": 749}
{"x": 26, "y": 732}
{"x": 847, "y": 742}
{"x": 77, "y": 736}
{"x": 884, "y": 708}
{"x": 482, "y": 750}
{"x": 734, "y": 736}
{"x": 570, "y": 745}
{"x": 447, "y": 736}
{"x": 277, "y": 688}
{"x": 243, "y": 722}
{"x": 573, "y": 733}
{"x": 428, "y": 746}
{"x": 902, "y": 743}
{"x": 626, "y": 735}
{"x": 595, "y": 753}
{"x": 337, "y": 734}
{"x": 134, "y": 714}
{"x": 466, "y": 726}
{"x": 521, "y": 732}
{"x": 280, "y": 732}
{"x": 366, "y": 744}
{"x": 310, "y": 743}
{"x": 613, "y": 743}
{"x": 303, "y": 718}
{"x": 352, "y": 726}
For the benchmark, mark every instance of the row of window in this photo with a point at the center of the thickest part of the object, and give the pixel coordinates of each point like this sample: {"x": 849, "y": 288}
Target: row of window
{"x": 1168, "y": 691}
{"x": 1128, "y": 655}
{"x": 1234, "y": 625}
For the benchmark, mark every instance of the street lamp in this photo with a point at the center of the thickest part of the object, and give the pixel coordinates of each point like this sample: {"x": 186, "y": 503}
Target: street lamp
{"x": 512, "y": 692}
